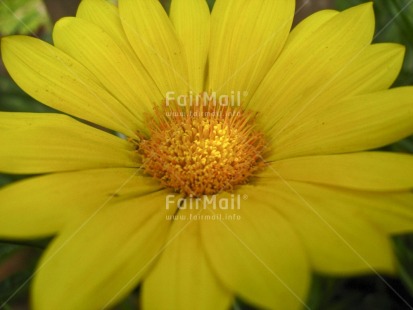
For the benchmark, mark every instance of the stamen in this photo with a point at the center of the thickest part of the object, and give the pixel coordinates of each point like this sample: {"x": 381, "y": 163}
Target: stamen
{"x": 202, "y": 149}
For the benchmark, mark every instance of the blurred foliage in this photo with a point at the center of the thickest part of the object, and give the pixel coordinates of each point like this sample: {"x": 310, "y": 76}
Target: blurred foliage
{"x": 394, "y": 24}
{"x": 358, "y": 293}
{"x": 403, "y": 249}
{"x": 23, "y": 17}
{"x": 17, "y": 264}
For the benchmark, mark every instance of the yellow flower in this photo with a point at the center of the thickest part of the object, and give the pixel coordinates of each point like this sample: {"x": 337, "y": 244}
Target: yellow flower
{"x": 200, "y": 201}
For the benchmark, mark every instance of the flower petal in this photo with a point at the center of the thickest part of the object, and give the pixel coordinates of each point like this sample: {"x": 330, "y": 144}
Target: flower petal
{"x": 350, "y": 125}
{"x": 374, "y": 69}
{"x": 191, "y": 19}
{"x": 114, "y": 247}
{"x": 369, "y": 171}
{"x": 41, "y": 206}
{"x": 302, "y": 34}
{"x": 182, "y": 277}
{"x": 392, "y": 212}
{"x": 92, "y": 47}
{"x": 257, "y": 255}
{"x": 156, "y": 44}
{"x": 106, "y": 16}
{"x": 40, "y": 143}
{"x": 57, "y": 80}
{"x": 246, "y": 39}
{"x": 311, "y": 60}
{"x": 338, "y": 237}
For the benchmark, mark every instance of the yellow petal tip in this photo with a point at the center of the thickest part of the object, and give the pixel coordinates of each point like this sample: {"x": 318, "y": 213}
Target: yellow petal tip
{"x": 363, "y": 8}
{"x": 64, "y": 21}
{"x": 399, "y": 48}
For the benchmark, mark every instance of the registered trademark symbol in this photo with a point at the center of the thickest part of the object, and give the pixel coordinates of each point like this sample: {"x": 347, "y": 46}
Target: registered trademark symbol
{"x": 245, "y": 196}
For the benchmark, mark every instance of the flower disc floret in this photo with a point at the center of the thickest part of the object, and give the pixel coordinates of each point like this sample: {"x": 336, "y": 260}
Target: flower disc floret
{"x": 203, "y": 149}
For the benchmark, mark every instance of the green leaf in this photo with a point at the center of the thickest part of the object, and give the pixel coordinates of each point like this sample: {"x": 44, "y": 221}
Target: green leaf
{"x": 404, "y": 146}
{"x": 404, "y": 252}
{"x": 22, "y": 258}
{"x": 211, "y": 3}
{"x": 14, "y": 288}
{"x": 6, "y": 250}
{"x": 23, "y": 17}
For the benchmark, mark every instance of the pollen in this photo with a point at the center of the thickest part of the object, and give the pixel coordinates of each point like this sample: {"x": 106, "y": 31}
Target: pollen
{"x": 203, "y": 149}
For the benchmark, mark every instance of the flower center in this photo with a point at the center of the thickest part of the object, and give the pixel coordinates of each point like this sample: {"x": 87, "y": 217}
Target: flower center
{"x": 202, "y": 149}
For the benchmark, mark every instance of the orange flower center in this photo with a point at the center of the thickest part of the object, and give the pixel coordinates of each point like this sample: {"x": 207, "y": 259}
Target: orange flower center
{"x": 202, "y": 149}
